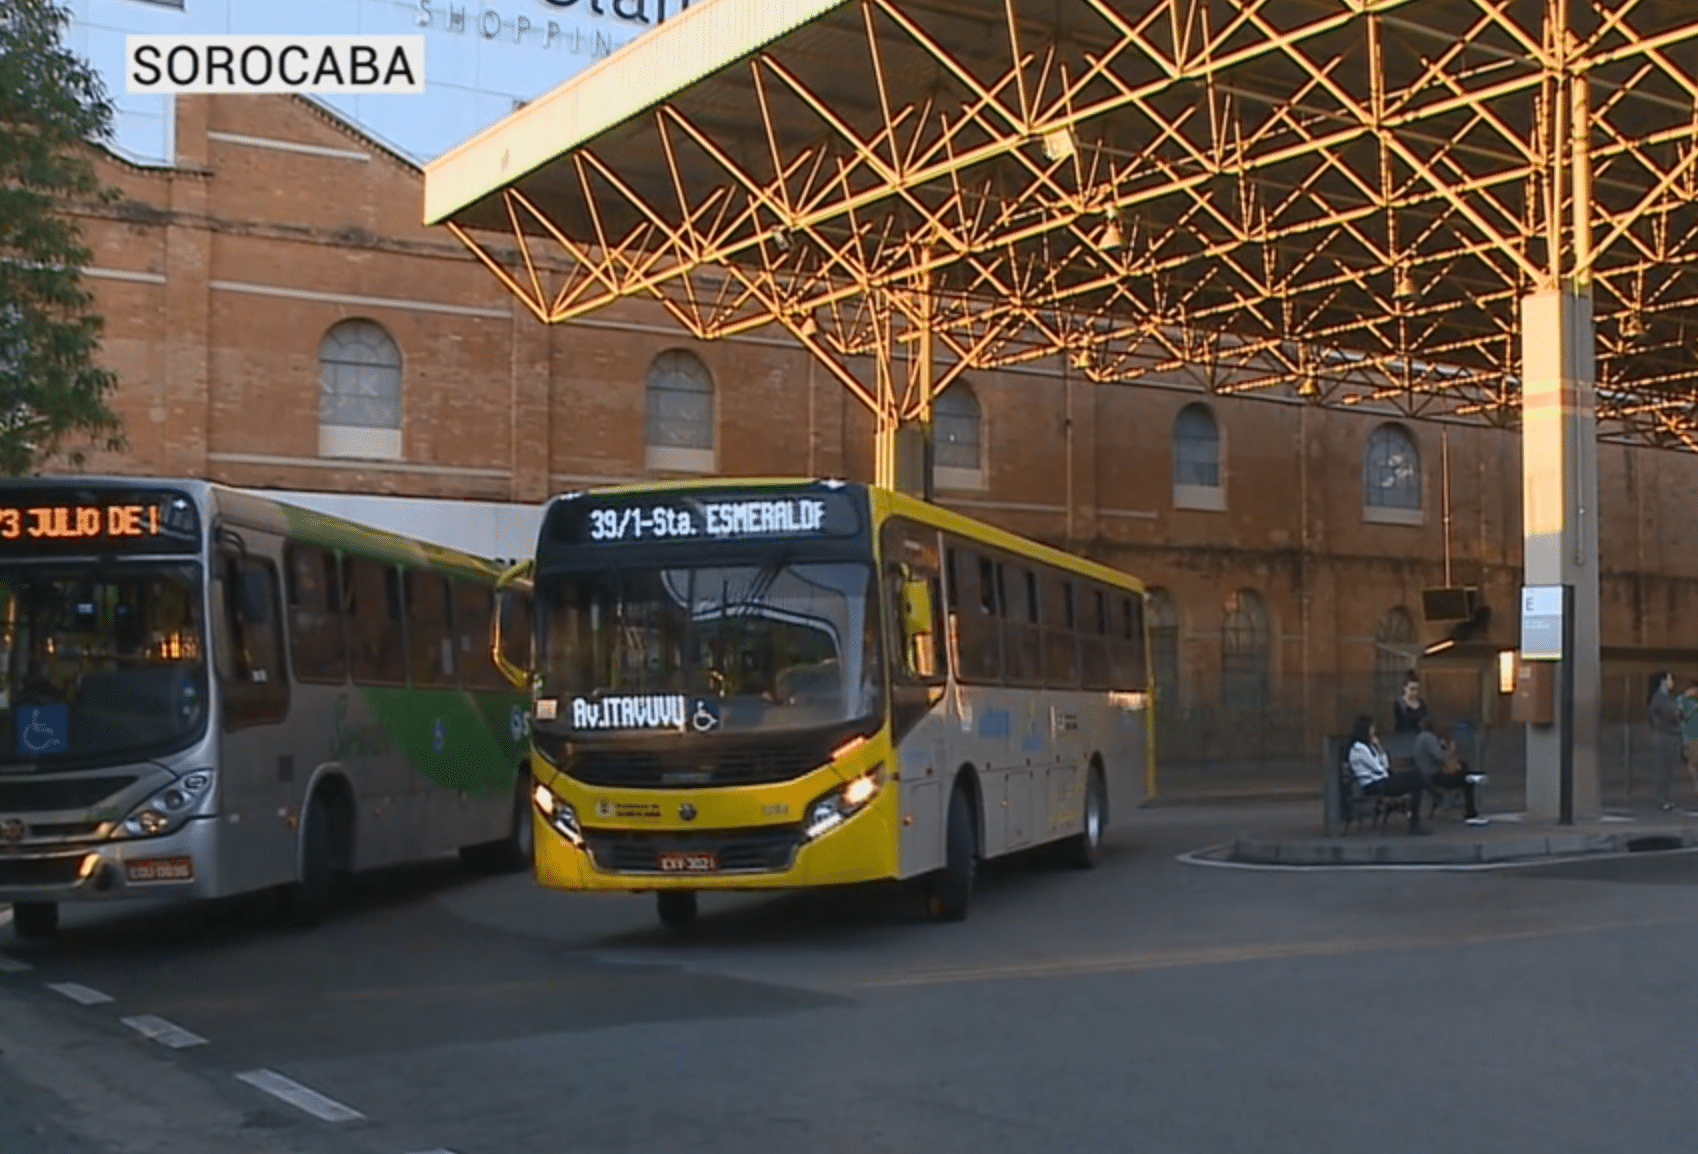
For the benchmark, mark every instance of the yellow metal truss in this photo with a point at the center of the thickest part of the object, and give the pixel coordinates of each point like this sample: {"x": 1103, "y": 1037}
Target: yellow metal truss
{"x": 1341, "y": 199}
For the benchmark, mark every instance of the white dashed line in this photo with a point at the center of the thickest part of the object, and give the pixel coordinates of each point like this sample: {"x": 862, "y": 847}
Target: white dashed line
{"x": 13, "y": 966}
{"x": 80, "y": 994}
{"x": 5, "y": 915}
{"x": 438, "y": 1150}
{"x": 165, "y": 1033}
{"x": 298, "y": 1096}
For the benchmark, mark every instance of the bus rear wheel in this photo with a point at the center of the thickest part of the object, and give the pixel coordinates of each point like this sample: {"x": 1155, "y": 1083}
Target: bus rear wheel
{"x": 35, "y": 920}
{"x": 1084, "y": 850}
{"x": 949, "y": 891}
{"x": 677, "y": 908}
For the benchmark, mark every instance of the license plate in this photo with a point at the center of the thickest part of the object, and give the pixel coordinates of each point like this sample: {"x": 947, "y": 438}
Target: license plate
{"x": 676, "y": 862}
{"x": 160, "y": 869}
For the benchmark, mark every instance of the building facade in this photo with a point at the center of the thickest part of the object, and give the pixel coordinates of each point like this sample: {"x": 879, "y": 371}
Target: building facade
{"x": 279, "y": 319}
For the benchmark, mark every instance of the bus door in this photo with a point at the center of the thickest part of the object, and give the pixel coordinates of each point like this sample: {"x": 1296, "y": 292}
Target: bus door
{"x": 915, "y": 639}
{"x": 257, "y": 766}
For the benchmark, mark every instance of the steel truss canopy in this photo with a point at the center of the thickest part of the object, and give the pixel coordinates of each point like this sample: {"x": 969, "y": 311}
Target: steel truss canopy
{"x": 1339, "y": 199}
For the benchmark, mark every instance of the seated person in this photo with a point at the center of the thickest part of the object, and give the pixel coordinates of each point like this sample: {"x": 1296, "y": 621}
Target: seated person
{"x": 1372, "y": 769}
{"x": 1437, "y": 763}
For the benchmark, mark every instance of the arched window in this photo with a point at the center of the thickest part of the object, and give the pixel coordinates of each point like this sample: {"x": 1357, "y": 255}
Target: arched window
{"x": 679, "y": 399}
{"x": 1391, "y": 476}
{"x": 1162, "y": 617}
{"x": 359, "y": 392}
{"x": 1395, "y": 646}
{"x": 958, "y": 447}
{"x": 1197, "y": 476}
{"x": 1244, "y": 652}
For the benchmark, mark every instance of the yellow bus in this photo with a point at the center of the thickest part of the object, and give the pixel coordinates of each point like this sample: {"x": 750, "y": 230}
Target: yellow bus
{"x": 782, "y": 684}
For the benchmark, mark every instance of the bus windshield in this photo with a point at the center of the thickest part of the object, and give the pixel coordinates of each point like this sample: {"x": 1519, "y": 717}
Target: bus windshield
{"x": 779, "y": 646}
{"x": 99, "y": 662}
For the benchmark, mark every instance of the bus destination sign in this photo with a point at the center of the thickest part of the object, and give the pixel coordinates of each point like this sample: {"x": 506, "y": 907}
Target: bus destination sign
{"x": 135, "y": 521}
{"x": 706, "y": 518}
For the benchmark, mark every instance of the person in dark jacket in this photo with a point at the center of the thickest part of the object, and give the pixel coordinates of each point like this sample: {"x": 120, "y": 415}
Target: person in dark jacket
{"x": 1409, "y": 707}
{"x": 1437, "y": 763}
{"x": 1664, "y": 716}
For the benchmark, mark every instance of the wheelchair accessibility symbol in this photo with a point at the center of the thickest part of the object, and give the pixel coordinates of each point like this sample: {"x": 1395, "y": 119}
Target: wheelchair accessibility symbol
{"x": 42, "y": 729}
{"x": 704, "y": 715}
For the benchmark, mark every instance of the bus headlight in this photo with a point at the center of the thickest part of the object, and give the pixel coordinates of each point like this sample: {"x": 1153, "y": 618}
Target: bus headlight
{"x": 560, "y": 814}
{"x": 171, "y": 806}
{"x": 843, "y": 803}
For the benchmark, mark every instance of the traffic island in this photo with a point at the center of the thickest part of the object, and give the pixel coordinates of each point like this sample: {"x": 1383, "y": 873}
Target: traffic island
{"x": 1501, "y": 842}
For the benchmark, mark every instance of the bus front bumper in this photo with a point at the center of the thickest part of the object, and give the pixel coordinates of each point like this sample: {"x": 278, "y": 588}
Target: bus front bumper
{"x": 176, "y": 865}
{"x": 861, "y": 848}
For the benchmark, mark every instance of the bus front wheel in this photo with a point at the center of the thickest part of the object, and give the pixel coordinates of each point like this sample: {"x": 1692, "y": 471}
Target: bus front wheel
{"x": 677, "y": 908}
{"x": 307, "y": 901}
{"x": 950, "y": 890}
{"x": 33, "y": 920}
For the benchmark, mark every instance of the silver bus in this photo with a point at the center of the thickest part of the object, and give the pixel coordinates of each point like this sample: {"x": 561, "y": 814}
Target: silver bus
{"x": 205, "y": 693}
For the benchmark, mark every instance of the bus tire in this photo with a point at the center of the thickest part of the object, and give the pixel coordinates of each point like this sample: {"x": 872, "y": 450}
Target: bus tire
{"x": 677, "y": 908}
{"x": 949, "y": 891}
{"x": 306, "y": 902}
{"x": 33, "y": 921}
{"x": 516, "y": 851}
{"x": 1084, "y": 850}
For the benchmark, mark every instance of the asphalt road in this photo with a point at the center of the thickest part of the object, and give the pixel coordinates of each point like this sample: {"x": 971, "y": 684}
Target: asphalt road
{"x": 1149, "y": 1005}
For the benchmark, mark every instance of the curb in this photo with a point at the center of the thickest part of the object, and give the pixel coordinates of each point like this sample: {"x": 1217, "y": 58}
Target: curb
{"x": 1532, "y": 847}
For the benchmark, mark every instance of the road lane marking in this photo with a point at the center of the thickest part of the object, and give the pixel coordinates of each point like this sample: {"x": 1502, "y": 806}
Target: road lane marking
{"x": 438, "y": 1150}
{"x": 166, "y": 1033}
{"x": 299, "y": 1096}
{"x": 1223, "y": 955}
{"x": 80, "y": 994}
{"x": 5, "y": 915}
{"x": 13, "y": 966}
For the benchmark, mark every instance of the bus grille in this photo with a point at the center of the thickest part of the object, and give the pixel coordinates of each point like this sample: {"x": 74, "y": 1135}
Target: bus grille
{"x": 678, "y": 769}
{"x": 67, "y": 793}
{"x": 760, "y": 850}
{"x": 40, "y": 871}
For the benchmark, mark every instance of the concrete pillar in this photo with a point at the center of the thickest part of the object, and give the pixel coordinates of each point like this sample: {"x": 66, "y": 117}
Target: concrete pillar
{"x": 1559, "y": 500}
{"x": 187, "y": 390}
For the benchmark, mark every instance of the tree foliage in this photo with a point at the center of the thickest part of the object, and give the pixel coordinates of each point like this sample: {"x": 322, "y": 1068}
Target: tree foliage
{"x": 52, "y": 105}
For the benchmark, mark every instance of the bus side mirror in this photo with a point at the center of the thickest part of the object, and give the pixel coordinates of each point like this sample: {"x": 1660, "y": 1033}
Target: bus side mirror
{"x": 513, "y": 597}
{"x": 917, "y": 608}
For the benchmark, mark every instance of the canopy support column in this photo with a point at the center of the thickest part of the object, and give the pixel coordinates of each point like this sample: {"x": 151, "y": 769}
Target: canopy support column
{"x": 1559, "y": 500}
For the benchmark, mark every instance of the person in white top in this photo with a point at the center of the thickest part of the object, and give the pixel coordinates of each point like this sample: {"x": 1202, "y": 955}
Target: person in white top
{"x": 1371, "y": 766}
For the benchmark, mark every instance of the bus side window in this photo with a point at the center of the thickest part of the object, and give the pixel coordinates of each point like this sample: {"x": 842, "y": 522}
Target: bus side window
{"x": 252, "y": 671}
{"x": 1061, "y": 667}
{"x": 980, "y": 627}
{"x": 1130, "y": 672}
{"x": 312, "y": 580}
{"x": 914, "y": 596}
{"x": 376, "y": 641}
{"x": 1096, "y": 669}
{"x": 474, "y": 605}
{"x": 430, "y": 627}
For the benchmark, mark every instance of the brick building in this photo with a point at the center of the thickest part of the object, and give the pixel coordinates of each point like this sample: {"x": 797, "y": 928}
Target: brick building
{"x": 279, "y": 319}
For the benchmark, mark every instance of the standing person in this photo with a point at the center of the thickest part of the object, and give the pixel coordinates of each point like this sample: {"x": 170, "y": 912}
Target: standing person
{"x": 1407, "y": 710}
{"x": 1372, "y": 768}
{"x": 1441, "y": 769}
{"x": 1664, "y": 716}
{"x": 1409, "y": 707}
{"x": 1687, "y": 703}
